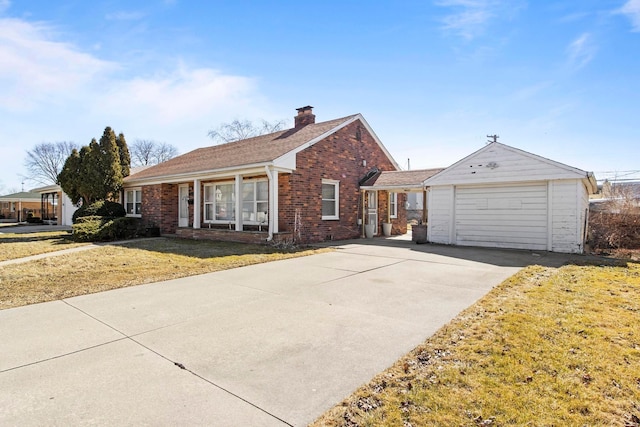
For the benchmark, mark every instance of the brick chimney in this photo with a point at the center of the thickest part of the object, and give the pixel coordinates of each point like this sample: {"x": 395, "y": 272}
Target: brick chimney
{"x": 305, "y": 117}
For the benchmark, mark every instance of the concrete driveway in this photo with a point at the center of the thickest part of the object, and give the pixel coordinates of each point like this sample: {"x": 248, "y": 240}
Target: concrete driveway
{"x": 267, "y": 345}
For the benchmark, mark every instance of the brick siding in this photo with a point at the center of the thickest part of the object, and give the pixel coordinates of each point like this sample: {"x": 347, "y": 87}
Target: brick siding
{"x": 160, "y": 206}
{"x": 338, "y": 157}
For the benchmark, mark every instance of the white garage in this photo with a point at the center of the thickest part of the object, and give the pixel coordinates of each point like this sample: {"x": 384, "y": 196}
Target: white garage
{"x": 504, "y": 197}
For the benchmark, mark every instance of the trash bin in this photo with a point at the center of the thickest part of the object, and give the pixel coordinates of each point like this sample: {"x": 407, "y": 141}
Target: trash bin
{"x": 419, "y": 233}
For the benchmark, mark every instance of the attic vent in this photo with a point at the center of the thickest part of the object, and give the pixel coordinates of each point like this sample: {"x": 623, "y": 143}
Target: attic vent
{"x": 492, "y": 165}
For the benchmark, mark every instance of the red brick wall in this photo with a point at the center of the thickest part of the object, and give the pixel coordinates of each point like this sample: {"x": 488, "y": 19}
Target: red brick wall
{"x": 223, "y": 235}
{"x": 160, "y": 206}
{"x": 338, "y": 157}
{"x": 399, "y": 223}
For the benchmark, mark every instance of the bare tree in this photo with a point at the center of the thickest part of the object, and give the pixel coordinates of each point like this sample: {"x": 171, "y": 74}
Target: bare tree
{"x": 164, "y": 152}
{"x": 145, "y": 152}
{"x": 45, "y": 161}
{"x": 243, "y": 129}
{"x": 142, "y": 152}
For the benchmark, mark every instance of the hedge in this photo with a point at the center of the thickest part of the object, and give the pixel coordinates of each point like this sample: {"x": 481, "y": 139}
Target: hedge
{"x": 101, "y": 229}
{"x": 103, "y": 208}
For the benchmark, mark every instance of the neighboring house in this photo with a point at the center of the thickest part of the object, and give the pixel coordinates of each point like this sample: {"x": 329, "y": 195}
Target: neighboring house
{"x": 504, "y": 197}
{"x": 300, "y": 184}
{"x": 18, "y": 206}
{"x": 57, "y": 208}
{"x": 616, "y": 197}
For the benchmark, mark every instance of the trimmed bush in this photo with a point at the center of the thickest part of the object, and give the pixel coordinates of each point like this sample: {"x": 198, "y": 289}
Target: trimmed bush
{"x": 87, "y": 231}
{"x": 102, "y": 208}
{"x": 34, "y": 220}
{"x": 101, "y": 229}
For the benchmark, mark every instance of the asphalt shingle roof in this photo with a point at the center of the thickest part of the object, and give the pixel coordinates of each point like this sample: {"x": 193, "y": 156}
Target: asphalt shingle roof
{"x": 260, "y": 149}
{"x": 409, "y": 179}
{"x": 24, "y": 195}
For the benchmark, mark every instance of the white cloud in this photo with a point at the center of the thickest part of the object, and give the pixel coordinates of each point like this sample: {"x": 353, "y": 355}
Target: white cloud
{"x": 581, "y": 51}
{"x": 471, "y": 18}
{"x": 185, "y": 94}
{"x": 38, "y": 71}
{"x": 4, "y": 5}
{"x": 36, "y": 68}
{"x": 632, "y": 9}
{"x": 52, "y": 90}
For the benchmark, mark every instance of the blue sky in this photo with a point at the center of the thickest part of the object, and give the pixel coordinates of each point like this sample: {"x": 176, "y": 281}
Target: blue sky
{"x": 557, "y": 78}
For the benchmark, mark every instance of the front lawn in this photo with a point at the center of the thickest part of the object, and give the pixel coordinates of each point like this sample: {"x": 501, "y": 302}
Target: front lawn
{"x": 547, "y": 347}
{"x": 20, "y": 245}
{"x": 129, "y": 264}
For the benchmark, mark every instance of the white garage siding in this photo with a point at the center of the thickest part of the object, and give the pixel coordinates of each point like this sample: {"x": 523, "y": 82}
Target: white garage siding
{"x": 506, "y": 216}
{"x": 570, "y": 202}
{"x": 440, "y": 202}
{"x": 504, "y": 197}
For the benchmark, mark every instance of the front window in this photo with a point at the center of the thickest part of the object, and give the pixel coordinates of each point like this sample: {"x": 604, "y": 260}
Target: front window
{"x": 330, "y": 199}
{"x": 133, "y": 201}
{"x": 393, "y": 205}
{"x": 255, "y": 202}
{"x": 219, "y": 202}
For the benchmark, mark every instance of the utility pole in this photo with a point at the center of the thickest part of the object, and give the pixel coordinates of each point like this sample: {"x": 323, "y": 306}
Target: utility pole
{"x": 494, "y": 137}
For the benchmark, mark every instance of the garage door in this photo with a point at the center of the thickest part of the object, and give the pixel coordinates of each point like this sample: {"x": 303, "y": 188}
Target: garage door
{"x": 513, "y": 216}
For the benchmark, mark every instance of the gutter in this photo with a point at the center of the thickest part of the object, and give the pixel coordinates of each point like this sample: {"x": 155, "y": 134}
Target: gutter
{"x": 591, "y": 179}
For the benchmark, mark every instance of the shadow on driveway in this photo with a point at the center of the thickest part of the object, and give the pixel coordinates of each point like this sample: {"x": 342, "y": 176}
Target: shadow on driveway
{"x": 493, "y": 256}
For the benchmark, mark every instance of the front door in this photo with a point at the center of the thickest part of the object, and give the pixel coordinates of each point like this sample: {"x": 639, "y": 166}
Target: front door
{"x": 372, "y": 210}
{"x": 183, "y": 206}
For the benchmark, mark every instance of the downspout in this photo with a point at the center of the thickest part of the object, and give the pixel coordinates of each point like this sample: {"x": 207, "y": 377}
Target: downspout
{"x": 364, "y": 212}
{"x": 271, "y": 206}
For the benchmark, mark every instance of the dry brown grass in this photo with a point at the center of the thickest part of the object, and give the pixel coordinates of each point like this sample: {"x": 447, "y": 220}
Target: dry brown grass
{"x": 546, "y": 347}
{"x": 130, "y": 264}
{"x": 14, "y": 245}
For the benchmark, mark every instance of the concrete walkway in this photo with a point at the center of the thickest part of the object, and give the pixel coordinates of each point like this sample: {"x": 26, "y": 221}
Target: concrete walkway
{"x": 272, "y": 344}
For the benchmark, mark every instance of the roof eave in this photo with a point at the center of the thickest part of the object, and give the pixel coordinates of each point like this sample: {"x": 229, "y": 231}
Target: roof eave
{"x": 402, "y": 188}
{"x": 208, "y": 174}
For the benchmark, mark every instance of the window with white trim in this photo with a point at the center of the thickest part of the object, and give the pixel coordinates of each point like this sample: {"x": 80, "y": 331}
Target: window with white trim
{"x": 393, "y": 205}
{"x": 330, "y": 199}
{"x": 133, "y": 201}
{"x": 255, "y": 201}
{"x": 219, "y": 202}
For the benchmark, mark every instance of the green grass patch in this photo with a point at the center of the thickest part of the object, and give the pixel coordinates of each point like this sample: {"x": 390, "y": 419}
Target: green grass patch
{"x": 546, "y": 347}
{"x": 20, "y": 245}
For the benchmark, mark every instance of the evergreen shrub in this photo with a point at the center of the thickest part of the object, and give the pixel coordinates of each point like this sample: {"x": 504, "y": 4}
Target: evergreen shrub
{"x": 102, "y": 208}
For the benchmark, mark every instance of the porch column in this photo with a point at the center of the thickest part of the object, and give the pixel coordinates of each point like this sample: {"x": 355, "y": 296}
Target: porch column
{"x": 276, "y": 209}
{"x": 196, "y": 204}
{"x": 272, "y": 176}
{"x": 364, "y": 212}
{"x": 424, "y": 206}
{"x": 238, "y": 202}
